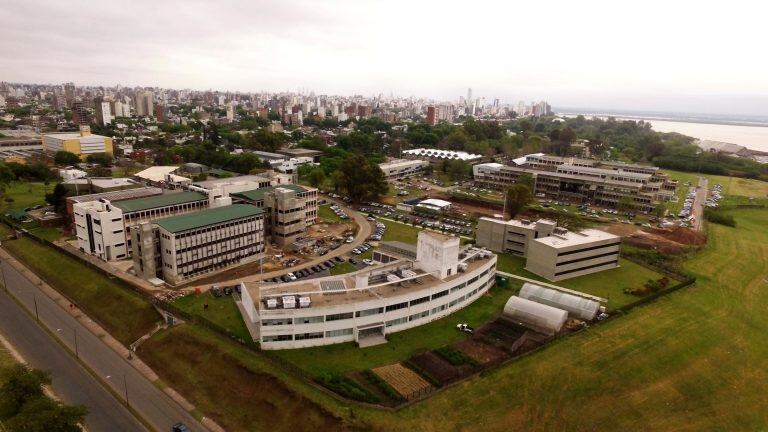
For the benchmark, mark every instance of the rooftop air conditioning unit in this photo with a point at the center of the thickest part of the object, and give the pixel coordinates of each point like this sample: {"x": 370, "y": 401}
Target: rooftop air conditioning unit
{"x": 462, "y": 267}
{"x": 304, "y": 302}
{"x": 271, "y": 303}
{"x": 289, "y": 302}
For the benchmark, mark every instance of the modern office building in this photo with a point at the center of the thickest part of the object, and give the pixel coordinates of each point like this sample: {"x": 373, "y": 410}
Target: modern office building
{"x": 586, "y": 181}
{"x": 102, "y": 226}
{"x": 367, "y": 305}
{"x": 80, "y": 143}
{"x": 289, "y": 210}
{"x": 512, "y": 236}
{"x": 551, "y": 252}
{"x": 178, "y": 248}
{"x": 431, "y": 115}
{"x": 567, "y": 254}
{"x": 400, "y": 168}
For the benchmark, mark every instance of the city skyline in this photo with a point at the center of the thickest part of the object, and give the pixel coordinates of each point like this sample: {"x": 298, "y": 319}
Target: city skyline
{"x": 520, "y": 52}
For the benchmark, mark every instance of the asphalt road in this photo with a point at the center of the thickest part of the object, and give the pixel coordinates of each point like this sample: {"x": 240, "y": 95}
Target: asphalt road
{"x": 154, "y": 406}
{"x": 699, "y": 202}
{"x": 70, "y": 381}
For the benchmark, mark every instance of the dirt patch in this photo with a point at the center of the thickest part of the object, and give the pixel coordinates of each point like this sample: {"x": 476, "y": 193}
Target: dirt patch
{"x": 670, "y": 241}
{"x": 484, "y": 353}
{"x": 436, "y": 367}
{"x": 236, "y": 395}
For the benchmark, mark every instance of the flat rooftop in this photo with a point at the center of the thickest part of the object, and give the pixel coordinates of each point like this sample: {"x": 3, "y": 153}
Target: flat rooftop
{"x": 347, "y": 292}
{"x": 575, "y": 238}
{"x": 258, "y": 194}
{"x": 125, "y": 194}
{"x": 164, "y": 200}
{"x": 207, "y": 217}
{"x": 210, "y": 184}
{"x": 72, "y": 135}
{"x": 105, "y": 182}
{"x": 604, "y": 171}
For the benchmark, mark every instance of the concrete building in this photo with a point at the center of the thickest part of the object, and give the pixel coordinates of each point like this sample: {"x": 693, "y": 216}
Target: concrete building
{"x": 163, "y": 176}
{"x": 179, "y": 248}
{"x": 289, "y": 210}
{"x": 568, "y": 254}
{"x": 115, "y": 196}
{"x": 102, "y": 226}
{"x": 400, "y": 168}
{"x": 431, "y": 116}
{"x": 367, "y": 305}
{"x": 512, "y": 236}
{"x": 92, "y": 185}
{"x": 551, "y": 252}
{"x": 586, "y": 181}
{"x": 301, "y": 152}
{"x": 81, "y": 144}
{"x": 103, "y": 112}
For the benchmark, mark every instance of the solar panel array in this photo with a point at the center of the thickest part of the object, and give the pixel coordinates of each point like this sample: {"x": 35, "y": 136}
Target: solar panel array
{"x": 332, "y": 286}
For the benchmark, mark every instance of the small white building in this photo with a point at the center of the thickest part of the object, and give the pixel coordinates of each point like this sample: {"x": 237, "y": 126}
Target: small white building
{"x": 401, "y": 168}
{"x": 72, "y": 173}
{"x": 433, "y": 205}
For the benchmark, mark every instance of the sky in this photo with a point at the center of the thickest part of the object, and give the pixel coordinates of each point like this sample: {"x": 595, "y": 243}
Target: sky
{"x": 680, "y": 56}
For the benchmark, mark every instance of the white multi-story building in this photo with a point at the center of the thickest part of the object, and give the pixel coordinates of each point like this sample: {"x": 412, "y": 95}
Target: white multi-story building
{"x": 567, "y": 254}
{"x": 512, "y": 236}
{"x": 102, "y": 227}
{"x": 400, "y": 168}
{"x": 367, "y": 305}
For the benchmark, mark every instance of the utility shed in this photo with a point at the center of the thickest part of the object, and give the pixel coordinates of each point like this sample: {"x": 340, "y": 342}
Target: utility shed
{"x": 540, "y": 317}
{"x": 577, "y": 307}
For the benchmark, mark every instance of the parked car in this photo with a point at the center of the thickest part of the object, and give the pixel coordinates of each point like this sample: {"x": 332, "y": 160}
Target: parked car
{"x": 353, "y": 261}
{"x": 180, "y": 427}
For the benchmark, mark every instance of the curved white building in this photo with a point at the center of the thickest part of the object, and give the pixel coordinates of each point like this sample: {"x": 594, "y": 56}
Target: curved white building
{"x": 366, "y": 305}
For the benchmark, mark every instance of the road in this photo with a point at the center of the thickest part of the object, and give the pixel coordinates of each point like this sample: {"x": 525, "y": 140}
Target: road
{"x": 152, "y": 404}
{"x": 699, "y": 202}
{"x": 71, "y": 382}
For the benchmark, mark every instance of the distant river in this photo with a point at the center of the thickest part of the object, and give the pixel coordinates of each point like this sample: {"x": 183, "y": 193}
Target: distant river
{"x": 752, "y": 137}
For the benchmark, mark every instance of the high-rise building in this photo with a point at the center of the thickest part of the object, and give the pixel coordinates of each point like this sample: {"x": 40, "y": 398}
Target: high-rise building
{"x": 69, "y": 93}
{"x": 103, "y": 112}
{"x": 431, "y": 116}
{"x": 79, "y": 114}
{"x": 144, "y": 103}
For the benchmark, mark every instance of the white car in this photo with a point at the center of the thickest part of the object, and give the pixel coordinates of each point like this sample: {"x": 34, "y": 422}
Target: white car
{"x": 368, "y": 262}
{"x": 349, "y": 240}
{"x": 291, "y": 276}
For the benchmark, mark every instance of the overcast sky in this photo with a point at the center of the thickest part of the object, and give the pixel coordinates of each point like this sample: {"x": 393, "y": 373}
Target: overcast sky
{"x": 651, "y": 55}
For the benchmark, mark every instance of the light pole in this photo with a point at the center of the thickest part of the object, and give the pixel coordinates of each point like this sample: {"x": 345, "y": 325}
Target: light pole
{"x": 125, "y": 383}
{"x": 37, "y": 314}
{"x": 77, "y": 354}
{"x": 2, "y": 273}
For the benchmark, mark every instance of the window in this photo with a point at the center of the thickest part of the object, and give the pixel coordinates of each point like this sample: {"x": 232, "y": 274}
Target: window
{"x": 418, "y": 315}
{"x": 369, "y": 312}
{"x": 419, "y": 301}
{"x": 339, "y": 316}
{"x": 303, "y": 336}
{"x": 337, "y": 333}
{"x": 458, "y": 287}
{"x": 440, "y": 294}
{"x": 439, "y": 309}
{"x": 276, "y": 338}
{"x": 276, "y": 321}
{"x": 398, "y": 321}
{"x": 309, "y": 320}
{"x": 397, "y": 306}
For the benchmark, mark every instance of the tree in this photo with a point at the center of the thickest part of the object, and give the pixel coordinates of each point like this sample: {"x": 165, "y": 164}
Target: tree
{"x": 527, "y": 180}
{"x": 660, "y": 210}
{"x": 458, "y": 170}
{"x": 63, "y": 157}
{"x": 24, "y": 406}
{"x": 362, "y": 179}
{"x": 626, "y": 203}
{"x": 58, "y": 198}
{"x": 518, "y": 196}
{"x": 316, "y": 176}
{"x": 102, "y": 159}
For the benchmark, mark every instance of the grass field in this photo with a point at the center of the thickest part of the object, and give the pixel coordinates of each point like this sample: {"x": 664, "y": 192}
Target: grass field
{"x": 401, "y": 345}
{"x": 608, "y": 284}
{"x": 123, "y": 313}
{"x": 397, "y": 231}
{"x": 221, "y": 310}
{"x": 325, "y": 214}
{"x": 342, "y": 268}
{"x": 24, "y": 194}
{"x": 732, "y": 187}
{"x": 240, "y": 390}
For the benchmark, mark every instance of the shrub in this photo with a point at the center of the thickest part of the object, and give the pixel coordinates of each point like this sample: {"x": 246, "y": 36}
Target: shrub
{"x": 720, "y": 218}
{"x": 346, "y": 387}
{"x": 455, "y": 357}
{"x": 382, "y": 385}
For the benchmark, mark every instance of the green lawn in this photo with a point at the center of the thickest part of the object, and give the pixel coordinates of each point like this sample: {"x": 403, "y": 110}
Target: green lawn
{"x": 221, "y": 310}
{"x": 341, "y": 268}
{"x": 608, "y": 284}
{"x": 732, "y": 186}
{"x": 123, "y": 313}
{"x": 397, "y": 231}
{"x": 325, "y": 214}
{"x": 401, "y": 345}
{"x": 24, "y": 194}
